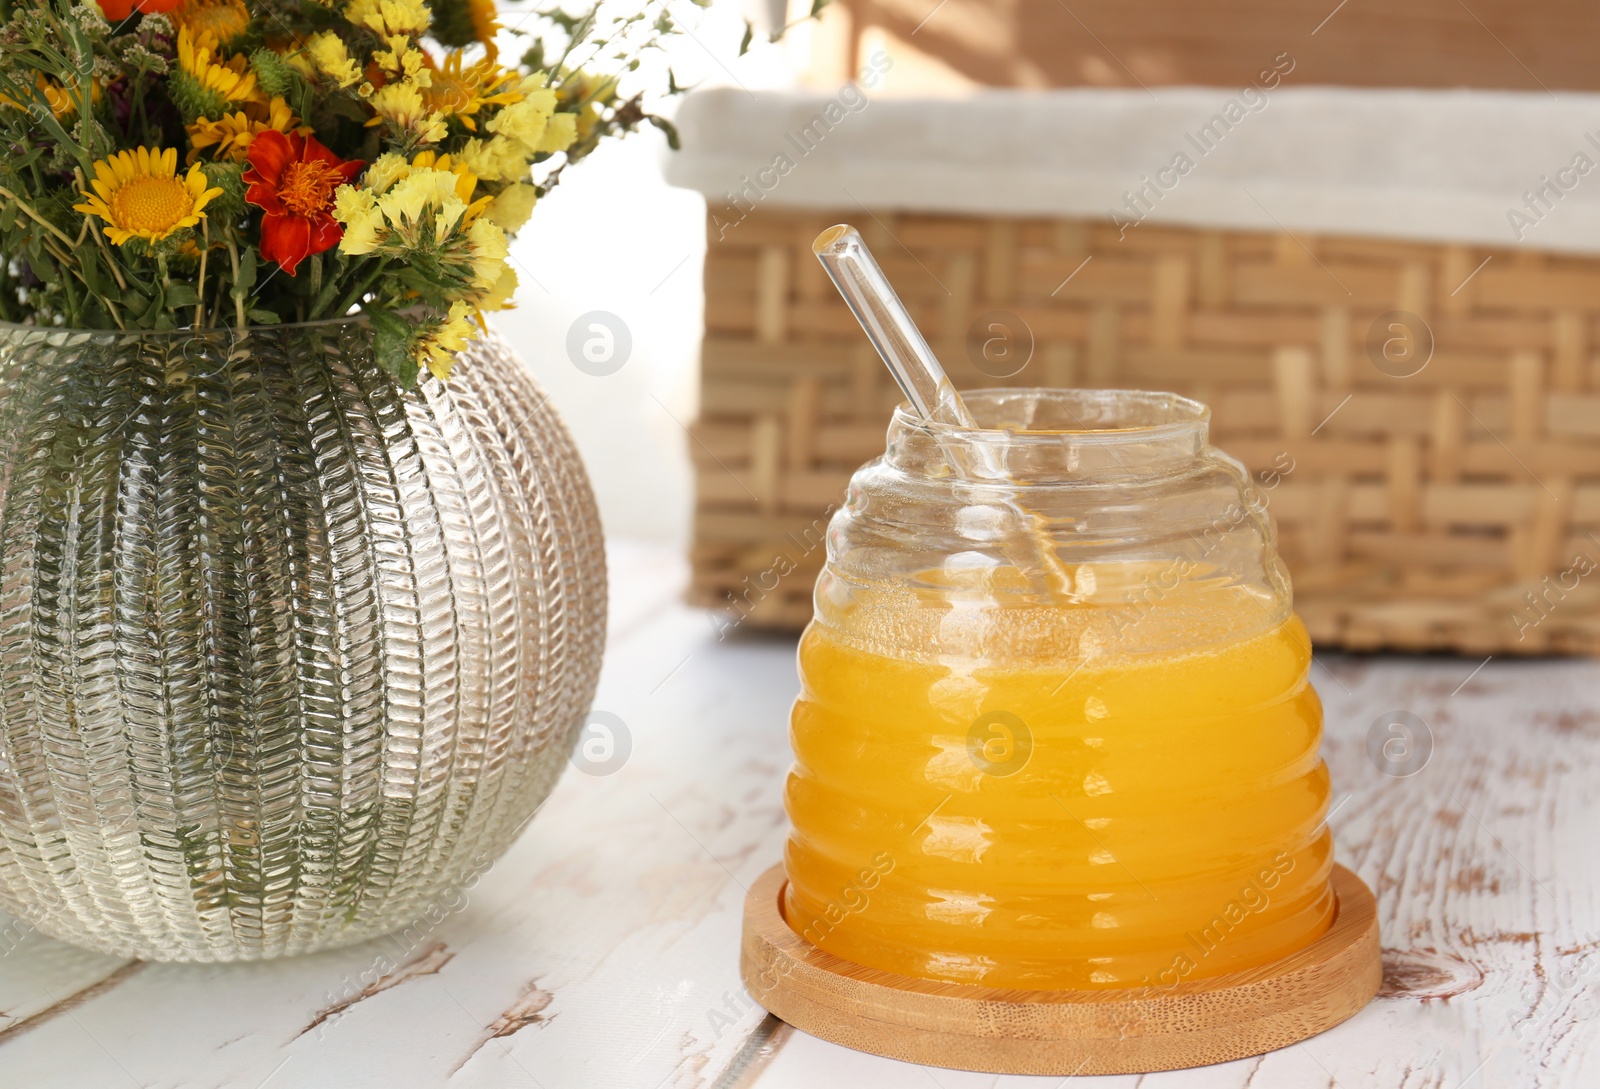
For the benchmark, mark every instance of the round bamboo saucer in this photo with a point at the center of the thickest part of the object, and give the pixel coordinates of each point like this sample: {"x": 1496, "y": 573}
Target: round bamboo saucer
{"x": 1161, "y": 1027}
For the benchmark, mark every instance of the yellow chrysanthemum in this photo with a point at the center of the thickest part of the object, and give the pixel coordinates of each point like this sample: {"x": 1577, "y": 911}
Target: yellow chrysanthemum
{"x": 295, "y": 56}
{"x": 495, "y": 159}
{"x": 526, "y": 120}
{"x": 389, "y": 18}
{"x": 398, "y": 197}
{"x": 230, "y": 136}
{"x": 499, "y": 296}
{"x": 232, "y": 80}
{"x": 511, "y": 208}
{"x": 419, "y": 193}
{"x": 559, "y": 133}
{"x": 489, "y": 250}
{"x": 357, "y": 208}
{"x": 588, "y": 93}
{"x": 327, "y": 51}
{"x": 461, "y": 90}
{"x": 438, "y": 346}
{"x": 210, "y": 22}
{"x": 405, "y": 62}
{"x": 384, "y": 171}
{"x": 466, "y": 180}
{"x": 402, "y": 105}
{"x": 441, "y": 185}
{"x": 139, "y": 195}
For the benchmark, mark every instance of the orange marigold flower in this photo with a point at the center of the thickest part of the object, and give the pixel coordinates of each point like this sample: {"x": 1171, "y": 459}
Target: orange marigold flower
{"x": 118, "y": 10}
{"x": 292, "y": 179}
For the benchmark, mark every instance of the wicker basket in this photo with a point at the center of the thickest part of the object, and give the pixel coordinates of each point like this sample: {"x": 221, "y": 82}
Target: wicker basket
{"x": 1457, "y": 507}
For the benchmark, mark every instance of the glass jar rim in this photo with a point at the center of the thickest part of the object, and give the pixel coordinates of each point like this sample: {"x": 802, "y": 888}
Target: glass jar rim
{"x": 1033, "y": 434}
{"x": 1162, "y": 414}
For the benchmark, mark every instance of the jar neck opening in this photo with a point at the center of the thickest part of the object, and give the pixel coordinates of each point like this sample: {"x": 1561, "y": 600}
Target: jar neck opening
{"x": 1050, "y": 435}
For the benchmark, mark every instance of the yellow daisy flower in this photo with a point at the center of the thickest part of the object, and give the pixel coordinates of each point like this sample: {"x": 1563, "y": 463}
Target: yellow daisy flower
{"x": 461, "y": 90}
{"x": 63, "y": 104}
{"x": 232, "y": 80}
{"x": 230, "y": 137}
{"x": 485, "y": 24}
{"x": 139, "y": 195}
{"x": 211, "y": 22}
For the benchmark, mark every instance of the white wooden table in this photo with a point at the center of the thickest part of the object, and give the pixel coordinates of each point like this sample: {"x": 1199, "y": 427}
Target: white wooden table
{"x": 603, "y": 949}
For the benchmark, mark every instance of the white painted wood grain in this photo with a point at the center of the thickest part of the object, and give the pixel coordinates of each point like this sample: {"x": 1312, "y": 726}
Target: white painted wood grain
{"x": 602, "y": 950}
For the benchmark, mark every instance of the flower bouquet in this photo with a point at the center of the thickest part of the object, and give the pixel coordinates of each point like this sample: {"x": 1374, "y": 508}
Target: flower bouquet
{"x": 292, "y": 650}
{"x": 198, "y": 163}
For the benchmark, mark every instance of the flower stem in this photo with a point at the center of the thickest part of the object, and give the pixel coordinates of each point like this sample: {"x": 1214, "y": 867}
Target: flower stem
{"x": 28, "y": 211}
{"x": 238, "y": 298}
{"x": 354, "y": 295}
{"x": 200, "y": 286}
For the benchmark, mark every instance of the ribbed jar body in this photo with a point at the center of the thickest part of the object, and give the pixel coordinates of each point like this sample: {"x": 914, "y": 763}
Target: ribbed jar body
{"x": 287, "y": 653}
{"x": 1055, "y": 728}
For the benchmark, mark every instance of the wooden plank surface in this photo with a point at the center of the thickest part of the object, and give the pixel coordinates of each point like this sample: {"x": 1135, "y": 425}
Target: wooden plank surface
{"x": 602, "y": 951}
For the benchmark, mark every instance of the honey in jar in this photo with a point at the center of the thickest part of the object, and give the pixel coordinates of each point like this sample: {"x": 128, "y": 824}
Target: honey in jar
{"x": 1055, "y": 728}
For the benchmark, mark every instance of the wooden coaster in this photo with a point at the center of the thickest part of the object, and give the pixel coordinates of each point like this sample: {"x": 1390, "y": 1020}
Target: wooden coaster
{"x": 1189, "y": 1023}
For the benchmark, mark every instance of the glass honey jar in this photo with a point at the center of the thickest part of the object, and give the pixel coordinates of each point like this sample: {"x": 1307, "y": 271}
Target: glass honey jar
{"x": 1055, "y": 728}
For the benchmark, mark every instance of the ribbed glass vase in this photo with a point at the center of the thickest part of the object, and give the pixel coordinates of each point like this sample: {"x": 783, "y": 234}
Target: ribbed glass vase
{"x": 287, "y": 653}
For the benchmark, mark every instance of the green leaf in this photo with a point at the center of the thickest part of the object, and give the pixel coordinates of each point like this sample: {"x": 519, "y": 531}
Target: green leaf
{"x": 92, "y": 277}
{"x": 262, "y": 317}
{"x": 247, "y": 276}
{"x": 181, "y": 294}
{"x": 348, "y": 108}
{"x": 394, "y": 344}
{"x": 749, "y": 36}
{"x": 150, "y": 315}
{"x": 667, "y": 128}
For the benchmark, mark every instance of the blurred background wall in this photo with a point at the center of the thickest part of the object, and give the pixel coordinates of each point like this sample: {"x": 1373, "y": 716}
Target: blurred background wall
{"x": 626, "y": 242}
{"x": 959, "y": 44}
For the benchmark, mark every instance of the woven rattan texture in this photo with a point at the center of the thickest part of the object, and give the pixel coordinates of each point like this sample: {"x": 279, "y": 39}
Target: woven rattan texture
{"x": 1455, "y": 506}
